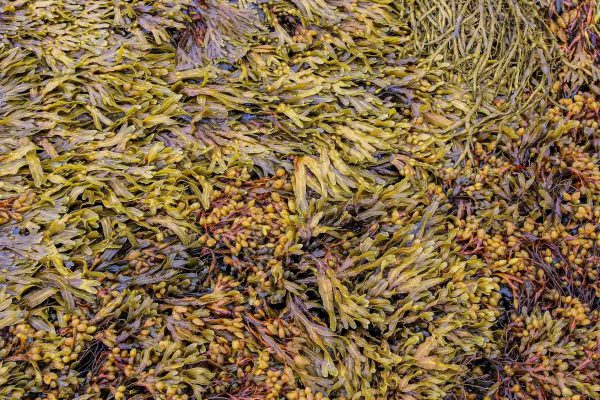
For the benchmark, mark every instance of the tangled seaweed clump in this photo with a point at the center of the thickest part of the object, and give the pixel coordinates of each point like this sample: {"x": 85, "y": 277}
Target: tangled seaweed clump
{"x": 307, "y": 199}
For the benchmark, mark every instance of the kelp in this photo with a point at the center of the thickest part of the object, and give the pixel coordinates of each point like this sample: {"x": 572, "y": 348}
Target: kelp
{"x": 576, "y": 25}
{"x": 531, "y": 213}
{"x": 494, "y": 46}
{"x": 303, "y": 199}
